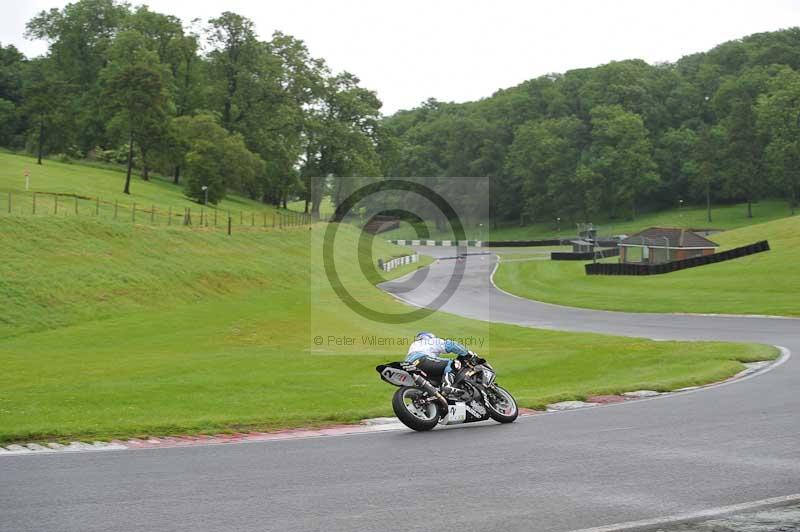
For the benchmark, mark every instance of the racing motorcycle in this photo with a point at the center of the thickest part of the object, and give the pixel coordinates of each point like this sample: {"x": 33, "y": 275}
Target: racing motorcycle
{"x": 474, "y": 395}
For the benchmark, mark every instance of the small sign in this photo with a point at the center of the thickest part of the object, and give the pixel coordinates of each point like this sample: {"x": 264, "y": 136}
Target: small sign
{"x": 457, "y": 413}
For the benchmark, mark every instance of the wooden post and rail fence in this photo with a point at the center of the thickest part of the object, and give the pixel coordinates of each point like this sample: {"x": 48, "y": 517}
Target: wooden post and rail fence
{"x": 56, "y": 204}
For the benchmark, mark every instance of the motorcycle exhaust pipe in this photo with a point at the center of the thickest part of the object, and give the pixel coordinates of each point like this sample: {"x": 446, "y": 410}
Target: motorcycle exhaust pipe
{"x": 428, "y": 387}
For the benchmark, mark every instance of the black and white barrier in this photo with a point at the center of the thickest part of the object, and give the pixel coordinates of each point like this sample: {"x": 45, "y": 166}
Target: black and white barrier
{"x": 444, "y": 243}
{"x": 390, "y": 265}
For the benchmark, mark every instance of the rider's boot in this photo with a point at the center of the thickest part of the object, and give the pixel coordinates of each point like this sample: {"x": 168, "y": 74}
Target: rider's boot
{"x": 447, "y": 384}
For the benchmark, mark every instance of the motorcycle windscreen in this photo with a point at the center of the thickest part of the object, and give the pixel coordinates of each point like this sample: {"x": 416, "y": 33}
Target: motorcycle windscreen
{"x": 394, "y": 374}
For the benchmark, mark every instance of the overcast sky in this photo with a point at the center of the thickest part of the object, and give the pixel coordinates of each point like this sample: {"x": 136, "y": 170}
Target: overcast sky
{"x": 411, "y": 50}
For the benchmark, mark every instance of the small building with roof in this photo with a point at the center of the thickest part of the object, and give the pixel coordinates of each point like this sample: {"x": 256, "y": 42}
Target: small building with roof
{"x": 582, "y": 246}
{"x": 657, "y": 245}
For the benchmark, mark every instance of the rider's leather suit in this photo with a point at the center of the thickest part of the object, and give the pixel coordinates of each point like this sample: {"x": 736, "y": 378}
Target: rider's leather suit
{"x": 434, "y": 348}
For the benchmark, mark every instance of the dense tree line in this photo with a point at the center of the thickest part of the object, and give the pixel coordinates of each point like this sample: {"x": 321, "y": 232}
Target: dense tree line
{"x": 211, "y": 104}
{"x": 206, "y": 103}
{"x": 610, "y": 141}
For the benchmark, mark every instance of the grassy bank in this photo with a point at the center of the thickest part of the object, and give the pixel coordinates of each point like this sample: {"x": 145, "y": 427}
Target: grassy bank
{"x": 97, "y": 181}
{"x": 116, "y": 330}
{"x": 765, "y": 283}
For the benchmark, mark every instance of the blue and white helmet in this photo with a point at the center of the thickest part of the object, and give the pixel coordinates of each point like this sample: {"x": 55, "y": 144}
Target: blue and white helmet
{"x": 424, "y": 335}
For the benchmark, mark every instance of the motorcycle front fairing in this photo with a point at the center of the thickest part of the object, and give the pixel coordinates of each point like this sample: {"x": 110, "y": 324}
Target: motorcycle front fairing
{"x": 464, "y": 412}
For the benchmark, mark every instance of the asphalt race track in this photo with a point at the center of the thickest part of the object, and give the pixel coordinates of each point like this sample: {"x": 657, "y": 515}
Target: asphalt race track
{"x": 639, "y": 460}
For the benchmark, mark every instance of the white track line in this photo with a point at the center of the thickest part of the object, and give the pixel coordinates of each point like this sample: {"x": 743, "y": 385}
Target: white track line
{"x": 78, "y": 447}
{"x": 784, "y": 356}
{"x": 706, "y": 315}
{"x": 650, "y": 524}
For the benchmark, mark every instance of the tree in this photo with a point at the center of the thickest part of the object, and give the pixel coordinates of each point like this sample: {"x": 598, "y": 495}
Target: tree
{"x": 673, "y": 156}
{"x": 44, "y": 102}
{"x": 635, "y": 86}
{"x": 621, "y": 156}
{"x": 545, "y": 154}
{"x": 702, "y": 167}
{"x": 188, "y": 76}
{"x": 214, "y": 158}
{"x": 11, "y": 74}
{"x": 270, "y": 122}
{"x": 162, "y": 34}
{"x": 8, "y": 119}
{"x": 263, "y": 90}
{"x": 735, "y": 103}
{"x": 778, "y": 113}
{"x": 80, "y": 37}
{"x": 675, "y": 102}
{"x": 187, "y": 80}
{"x": 12, "y": 63}
{"x": 299, "y": 82}
{"x": 219, "y": 166}
{"x": 575, "y": 144}
{"x": 341, "y": 136}
{"x": 234, "y": 55}
{"x": 135, "y": 92}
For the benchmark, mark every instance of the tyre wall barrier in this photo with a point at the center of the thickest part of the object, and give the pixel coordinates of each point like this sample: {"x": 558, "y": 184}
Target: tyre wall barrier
{"x": 524, "y": 243}
{"x": 571, "y": 255}
{"x": 607, "y": 243}
{"x": 667, "y": 267}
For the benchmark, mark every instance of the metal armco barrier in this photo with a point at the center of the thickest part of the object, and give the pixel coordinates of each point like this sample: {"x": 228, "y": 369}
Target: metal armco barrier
{"x": 667, "y": 267}
{"x": 390, "y": 265}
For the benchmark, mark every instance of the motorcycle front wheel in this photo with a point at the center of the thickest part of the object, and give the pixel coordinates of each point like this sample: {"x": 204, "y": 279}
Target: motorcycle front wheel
{"x": 410, "y": 407}
{"x": 501, "y": 404}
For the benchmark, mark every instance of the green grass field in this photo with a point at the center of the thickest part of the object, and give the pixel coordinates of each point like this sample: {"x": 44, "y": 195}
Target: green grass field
{"x": 325, "y": 208}
{"x": 89, "y": 182}
{"x": 724, "y": 217}
{"x": 112, "y": 329}
{"x": 765, "y": 283}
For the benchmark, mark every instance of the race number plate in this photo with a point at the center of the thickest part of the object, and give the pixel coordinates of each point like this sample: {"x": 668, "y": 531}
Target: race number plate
{"x": 457, "y": 413}
{"x": 397, "y": 377}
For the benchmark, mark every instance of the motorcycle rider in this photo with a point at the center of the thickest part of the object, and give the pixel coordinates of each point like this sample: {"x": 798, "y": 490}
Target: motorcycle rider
{"x": 427, "y": 347}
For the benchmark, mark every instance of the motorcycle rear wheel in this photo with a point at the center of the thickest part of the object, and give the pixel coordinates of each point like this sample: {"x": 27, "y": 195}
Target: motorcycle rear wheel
{"x": 506, "y": 410}
{"x": 414, "y": 416}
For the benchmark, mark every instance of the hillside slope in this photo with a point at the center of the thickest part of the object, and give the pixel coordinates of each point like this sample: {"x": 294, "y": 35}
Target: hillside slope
{"x": 92, "y": 182}
{"x": 64, "y": 271}
{"x": 765, "y": 283}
